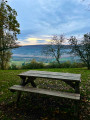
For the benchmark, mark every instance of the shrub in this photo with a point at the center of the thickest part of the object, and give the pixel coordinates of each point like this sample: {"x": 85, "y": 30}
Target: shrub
{"x": 67, "y": 64}
{"x": 52, "y": 65}
{"x": 77, "y": 65}
{"x": 33, "y": 65}
{"x": 13, "y": 67}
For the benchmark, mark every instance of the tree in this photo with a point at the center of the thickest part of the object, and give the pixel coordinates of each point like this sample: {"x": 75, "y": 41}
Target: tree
{"x": 9, "y": 28}
{"x": 54, "y": 47}
{"x": 5, "y": 56}
{"x": 81, "y": 48}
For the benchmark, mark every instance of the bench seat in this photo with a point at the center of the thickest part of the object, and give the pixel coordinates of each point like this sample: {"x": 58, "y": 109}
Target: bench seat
{"x": 74, "y": 96}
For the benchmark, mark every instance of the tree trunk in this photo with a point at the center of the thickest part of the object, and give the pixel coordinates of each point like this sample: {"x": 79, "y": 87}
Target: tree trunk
{"x": 89, "y": 67}
{"x": 2, "y": 60}
{"x": 58, "y": 61}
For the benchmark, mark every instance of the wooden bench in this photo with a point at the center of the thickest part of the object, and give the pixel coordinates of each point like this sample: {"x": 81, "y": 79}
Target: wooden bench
{"x": 73, "y": 96}
{"x": 28, "y": 77}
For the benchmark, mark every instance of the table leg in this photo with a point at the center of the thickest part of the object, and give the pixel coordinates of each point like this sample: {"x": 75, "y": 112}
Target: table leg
{"x": 23, "y": 83}
{"x": 18, "y": 97}
{"x": 77, "y": 90}
{"x": 31, "y": 80}
{"x": 76, "y": 110}
{"x": 23, "y": 78}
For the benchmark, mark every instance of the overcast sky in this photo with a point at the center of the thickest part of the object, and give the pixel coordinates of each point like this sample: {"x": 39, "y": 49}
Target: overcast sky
{"x": 40, "y": 19}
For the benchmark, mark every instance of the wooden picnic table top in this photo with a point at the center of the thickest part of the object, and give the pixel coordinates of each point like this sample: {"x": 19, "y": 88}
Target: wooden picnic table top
{"x": 52, "y": 75}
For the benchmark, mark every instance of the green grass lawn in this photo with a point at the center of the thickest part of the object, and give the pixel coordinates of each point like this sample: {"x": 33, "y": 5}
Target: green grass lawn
{"x": 9, "y": 111}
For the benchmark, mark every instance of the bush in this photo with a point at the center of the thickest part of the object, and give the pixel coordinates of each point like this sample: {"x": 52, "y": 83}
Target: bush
{"x": 61, "y": 65}
{"x": 77, "y": 65}
{"x": 13, "y": 67}
{"x": 67, "y": 64}
{"x": 53, "y": 65}
{"x": 33, "y": 65}
{"x": 37, "y": 65}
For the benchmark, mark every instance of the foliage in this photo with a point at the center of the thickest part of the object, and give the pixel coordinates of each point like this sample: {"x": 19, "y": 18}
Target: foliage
{"x": 54, "y": 47}
{"x": 67, "y": 64}
{"x": 53, "y": 65}
{"x": 82, "y": 48}
{"x": 36, "y": 65}
{"x": 33, "y": 65}
{"x": 9, "y": 27}
{"x": 13, "y": 67}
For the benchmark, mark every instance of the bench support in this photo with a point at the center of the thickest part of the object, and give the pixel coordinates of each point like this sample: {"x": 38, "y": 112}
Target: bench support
{"x": 73, "y": 96}
{"x": 74, "y": 85}
{"x": 24, "y": 82}
{"x": 31, "y": 80}
{"x": 76, "y": 110}
{"x": 18, "y": 97}
{"x": 77, "y": 90}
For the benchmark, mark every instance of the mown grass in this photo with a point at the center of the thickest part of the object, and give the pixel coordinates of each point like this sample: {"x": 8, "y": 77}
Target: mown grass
{"x": 9, "y": 78}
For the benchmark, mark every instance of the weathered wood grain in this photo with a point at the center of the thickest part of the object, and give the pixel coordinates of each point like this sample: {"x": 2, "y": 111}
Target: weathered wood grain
{"x": 53, "y": 75}
{"x": 74, "y": 96}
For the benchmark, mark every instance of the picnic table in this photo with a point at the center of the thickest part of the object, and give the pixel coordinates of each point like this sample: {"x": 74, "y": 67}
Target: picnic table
{"x": 29, "y": 77}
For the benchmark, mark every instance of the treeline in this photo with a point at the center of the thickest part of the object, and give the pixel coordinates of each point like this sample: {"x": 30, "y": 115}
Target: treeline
{"x": 38, "y": 65}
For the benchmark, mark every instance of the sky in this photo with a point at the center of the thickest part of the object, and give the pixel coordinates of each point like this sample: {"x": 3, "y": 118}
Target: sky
{"x": 41, "y": 19}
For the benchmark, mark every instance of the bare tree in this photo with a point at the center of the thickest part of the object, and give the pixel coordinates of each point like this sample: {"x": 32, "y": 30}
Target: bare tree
{"x": 82, "y": 48}
{"x": 54, "y": 47}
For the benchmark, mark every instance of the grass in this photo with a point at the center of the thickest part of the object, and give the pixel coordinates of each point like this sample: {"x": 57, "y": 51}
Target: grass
{"x": 36, "y": 107}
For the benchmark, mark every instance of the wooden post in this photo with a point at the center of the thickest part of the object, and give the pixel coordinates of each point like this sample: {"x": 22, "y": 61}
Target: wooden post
{"x": 77, "y": 90}
{"x": 23, "y": 78}
{"x": 18, "y": 97}
{"x": 31, "y": 80}
{"x": 76, "y": 108}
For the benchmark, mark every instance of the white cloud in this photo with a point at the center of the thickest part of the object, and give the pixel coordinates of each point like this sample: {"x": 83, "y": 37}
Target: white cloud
{"x": 48, "y": 17}
{"x": 34, "y": 40}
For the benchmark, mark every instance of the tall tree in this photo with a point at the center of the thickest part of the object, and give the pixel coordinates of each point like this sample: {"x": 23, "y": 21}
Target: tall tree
{"x": 82, "y": 48}
{"x": 9, "y": 28}
{"x": 54, "y": 47}
{"x": 5, "y": 56}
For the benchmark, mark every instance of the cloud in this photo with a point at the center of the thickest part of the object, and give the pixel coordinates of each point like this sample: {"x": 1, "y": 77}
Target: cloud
{"x": 39, "y": 56}
{"x": 48, "y": 17}
{"x": 35, "y": 41}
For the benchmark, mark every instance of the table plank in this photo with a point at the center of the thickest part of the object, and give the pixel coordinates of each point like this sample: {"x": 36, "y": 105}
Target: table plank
{"x": 74, "y": 96}
{"x": 53, "y": 75}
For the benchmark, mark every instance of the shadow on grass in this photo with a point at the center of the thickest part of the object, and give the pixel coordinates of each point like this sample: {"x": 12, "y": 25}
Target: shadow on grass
{"x": 36, "y": 107}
